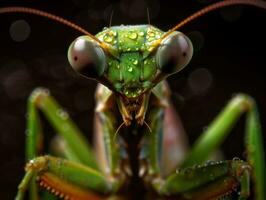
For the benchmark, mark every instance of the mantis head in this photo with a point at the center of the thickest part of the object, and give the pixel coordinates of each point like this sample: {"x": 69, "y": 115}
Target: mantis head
{"x": 130, "y": 61}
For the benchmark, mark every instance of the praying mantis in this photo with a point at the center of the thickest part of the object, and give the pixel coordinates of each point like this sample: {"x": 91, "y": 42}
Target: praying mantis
{"x": 138, "y": 107}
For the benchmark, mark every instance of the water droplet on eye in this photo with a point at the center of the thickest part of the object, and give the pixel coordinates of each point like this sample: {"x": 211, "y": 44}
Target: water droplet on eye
{"x": 19, "y": 30}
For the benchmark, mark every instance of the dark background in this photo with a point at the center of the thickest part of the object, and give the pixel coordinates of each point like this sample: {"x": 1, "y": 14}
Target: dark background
{"x": 229, "y": 58}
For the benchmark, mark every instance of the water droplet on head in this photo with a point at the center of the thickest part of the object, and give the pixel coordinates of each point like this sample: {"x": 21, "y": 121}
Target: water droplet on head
{"x": 133, "y": 35}
{"x": 150, "y": 49}
{"x": 141, "y": 33}
{"x": 151, "y": 33}
{"x": 135, "y": 62}
{"x": 150, "y": 39}
{"x": 108, "y": 37}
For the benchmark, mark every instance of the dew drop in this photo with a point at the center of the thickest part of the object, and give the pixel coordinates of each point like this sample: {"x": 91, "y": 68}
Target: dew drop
{"x": 150, "y": 39}
{"x": 63, "y": 114}
{"x": 135, "y": 62}
{"x": 151, "y": 33}
{"x": 133, "y": 35}
{"x": 210, "y": 162}
{"x": 141, "y": 33}
{"x": 108, "y": 38}
{"x": 236, "y": 159}
{"x": 130, "y": 69}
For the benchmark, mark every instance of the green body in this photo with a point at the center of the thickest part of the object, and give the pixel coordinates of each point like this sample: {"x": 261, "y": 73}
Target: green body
{"x": 138, "y": 153}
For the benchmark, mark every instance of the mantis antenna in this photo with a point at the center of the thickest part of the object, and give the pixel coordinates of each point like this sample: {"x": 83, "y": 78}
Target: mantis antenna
{"x": 212, "y": 7}
{"x": 52, "y": 17}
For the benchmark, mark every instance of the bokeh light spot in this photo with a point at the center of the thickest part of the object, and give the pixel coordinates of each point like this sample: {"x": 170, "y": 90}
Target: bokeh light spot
{"x": 19, "y": 30}
{"x": 200, "y": 81}
{"x": 197, "y": 40}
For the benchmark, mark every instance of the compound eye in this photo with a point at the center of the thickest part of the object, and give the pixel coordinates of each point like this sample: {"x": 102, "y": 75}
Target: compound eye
{"x": 87, "y": 57}
{"x": 174, "y": 53}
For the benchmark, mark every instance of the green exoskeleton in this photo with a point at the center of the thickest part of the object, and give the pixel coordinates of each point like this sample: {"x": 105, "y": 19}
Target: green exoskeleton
{"x": 134, "y": 122}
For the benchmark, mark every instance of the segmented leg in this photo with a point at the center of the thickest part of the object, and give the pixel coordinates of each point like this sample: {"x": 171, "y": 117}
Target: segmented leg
{"x": 40, "y": 99}
{"x": 215, "y": 135}
{"x": 78, "y": 150}
{"x": 66, "y": 179}
{"x": 208, "y": 181}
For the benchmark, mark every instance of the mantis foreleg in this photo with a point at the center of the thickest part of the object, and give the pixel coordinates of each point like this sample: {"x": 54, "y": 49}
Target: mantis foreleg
{"x": 215, "y": 135}
{"x": 66, "y": 179}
